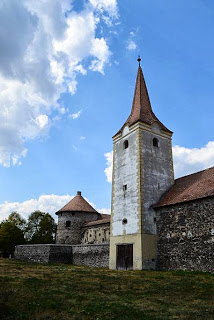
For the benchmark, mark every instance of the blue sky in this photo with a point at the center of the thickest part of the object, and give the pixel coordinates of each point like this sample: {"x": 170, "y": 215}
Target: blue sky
{"x": 67, "y": 76}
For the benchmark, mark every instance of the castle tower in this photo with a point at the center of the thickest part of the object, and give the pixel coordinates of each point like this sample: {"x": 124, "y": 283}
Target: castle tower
{"x": 142, "y": 173}
{"x": 72, "y": 217}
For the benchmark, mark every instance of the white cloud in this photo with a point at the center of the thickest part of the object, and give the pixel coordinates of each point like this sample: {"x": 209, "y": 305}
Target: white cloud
{"x": 190, "y": 160}
{"x": 186, "y": 160}
{"x": 110, "y": 6}
{"x": 42, "y": 52}
{"x": 82, "y": 138}
{"x": 76, "y": 115}
{"x": 46, "y": 203}
{"x": 131, "y": 45}
{"x": 109, "y": 162}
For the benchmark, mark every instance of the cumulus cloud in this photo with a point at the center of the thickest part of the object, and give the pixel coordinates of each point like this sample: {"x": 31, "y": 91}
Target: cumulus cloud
{"x": 45, "y": 45}
{"x": 190, "y": 160}
{"x": 47, "y": 203}
{"x": 109, "y": 162}
{"x": 186, "y": 160}
{"x": 131, "y": 45}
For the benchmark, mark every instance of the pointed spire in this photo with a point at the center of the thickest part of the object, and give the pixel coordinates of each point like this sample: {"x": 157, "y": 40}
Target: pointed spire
{"x": 141, "y": 106}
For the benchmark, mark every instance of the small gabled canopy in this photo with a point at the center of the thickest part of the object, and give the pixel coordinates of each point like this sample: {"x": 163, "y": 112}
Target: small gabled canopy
{"x": 141, "y": 106}
{"x": 77, "y": 204}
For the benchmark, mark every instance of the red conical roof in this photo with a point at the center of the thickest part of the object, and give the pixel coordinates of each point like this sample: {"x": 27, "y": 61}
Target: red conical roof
{"x": 141, "y": 106}
{"x": 78, "y": 203}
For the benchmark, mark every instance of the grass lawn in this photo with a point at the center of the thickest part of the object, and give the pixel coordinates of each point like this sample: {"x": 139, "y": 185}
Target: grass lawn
{"x": 59, "y": 291}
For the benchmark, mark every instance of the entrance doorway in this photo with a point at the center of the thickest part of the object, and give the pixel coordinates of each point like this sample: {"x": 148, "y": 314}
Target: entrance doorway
{"x": 125, "y": 257}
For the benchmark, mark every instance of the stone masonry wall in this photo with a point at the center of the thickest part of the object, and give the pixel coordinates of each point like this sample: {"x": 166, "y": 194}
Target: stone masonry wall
{"x": 186, "y": 236}
{"x": 44, "y": 253}
{"x": 92, "y": 255}
{"x": 96, "y": 234}
{"x": 88, "y": 255}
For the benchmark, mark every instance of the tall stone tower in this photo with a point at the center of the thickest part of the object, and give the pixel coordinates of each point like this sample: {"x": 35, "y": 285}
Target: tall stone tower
{"x": 142, "y": 173}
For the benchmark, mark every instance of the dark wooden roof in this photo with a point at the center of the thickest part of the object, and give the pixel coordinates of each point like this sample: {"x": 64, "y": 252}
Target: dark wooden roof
{"x": 194, "y": 186}
{"x": 141, "y": 106}
{"x": 78, "y": 203}
{"x": 97, "y": 222}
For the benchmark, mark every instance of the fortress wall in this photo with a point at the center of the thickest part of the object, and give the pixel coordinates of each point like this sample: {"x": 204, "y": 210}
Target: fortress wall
{"x": 92, "y": 255}
{"x": 186, "y": 236}
{"x": 89, "y": 255}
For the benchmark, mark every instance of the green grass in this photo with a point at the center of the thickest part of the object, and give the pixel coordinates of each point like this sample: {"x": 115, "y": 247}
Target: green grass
{"x": 34, "y": 291}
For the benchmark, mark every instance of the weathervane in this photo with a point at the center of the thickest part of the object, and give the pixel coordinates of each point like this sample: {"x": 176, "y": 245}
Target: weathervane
{"x": 139, "y": 60}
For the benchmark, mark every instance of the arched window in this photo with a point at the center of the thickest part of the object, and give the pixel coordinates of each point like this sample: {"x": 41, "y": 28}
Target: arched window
{"x": 68, "y": 224}
{"x": 126, "y": 144}
{"x": 155, "y": 142}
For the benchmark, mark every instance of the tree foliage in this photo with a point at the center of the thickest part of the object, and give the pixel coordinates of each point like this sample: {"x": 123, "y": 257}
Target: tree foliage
{"x": 10, "y": 236}
{"x": 16, "y": 218}
{"x": 41, "y": 228}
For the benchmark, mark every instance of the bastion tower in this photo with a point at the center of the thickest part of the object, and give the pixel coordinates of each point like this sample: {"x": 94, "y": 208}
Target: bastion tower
{"x": 142, "y": 173}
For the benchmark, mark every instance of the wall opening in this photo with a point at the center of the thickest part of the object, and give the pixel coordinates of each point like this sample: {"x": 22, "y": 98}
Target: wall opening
{"x": 124, "y": 221}
{"x": 155, "y": 142}
{"x": 126, "y": 144}
{"x": 68, "y": 224}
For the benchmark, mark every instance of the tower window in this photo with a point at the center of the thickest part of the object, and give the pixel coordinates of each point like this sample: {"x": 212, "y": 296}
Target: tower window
{"x": 124, "y": 187}
{"x": 126, "y": 144}
{"x": 124, "y": 221}
{"x": 68, "y": 224}
{"x": 155, "y": 142}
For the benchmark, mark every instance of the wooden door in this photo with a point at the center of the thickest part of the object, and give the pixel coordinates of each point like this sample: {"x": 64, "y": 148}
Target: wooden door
{"x": 125, "y": 257}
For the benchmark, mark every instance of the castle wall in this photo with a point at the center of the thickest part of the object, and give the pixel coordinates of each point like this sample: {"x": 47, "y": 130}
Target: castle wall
{"x": 44, "y": 253}
{"x": 186, "y": 236}
{"x": 95, "y": 255}
{"x": 96, "y": 234}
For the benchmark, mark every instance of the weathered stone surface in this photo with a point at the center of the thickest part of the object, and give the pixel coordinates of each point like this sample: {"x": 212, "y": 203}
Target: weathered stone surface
{"x": 96, "y": 234}
{"x": 44, "y": 253}
{"x": 185, "y": 236}
{"x": 72, "y": 234}
{"x": 88, "y": 255}
{"x": 94, "y": 255}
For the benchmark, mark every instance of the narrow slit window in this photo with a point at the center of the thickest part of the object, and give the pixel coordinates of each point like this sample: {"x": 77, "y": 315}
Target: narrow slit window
{"x": 124, "y": 187}
{"x": 126, "y": 144}
{"x": 155, "y": 142}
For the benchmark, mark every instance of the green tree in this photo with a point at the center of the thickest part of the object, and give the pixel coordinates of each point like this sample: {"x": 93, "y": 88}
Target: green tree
{"x": 16, "y": 218}
{"x": 10, "y": 236}
{"x": 41, "y": 228}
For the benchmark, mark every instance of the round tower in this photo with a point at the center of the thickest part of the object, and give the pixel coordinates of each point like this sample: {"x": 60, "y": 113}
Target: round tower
{"x": 72, "y": 217}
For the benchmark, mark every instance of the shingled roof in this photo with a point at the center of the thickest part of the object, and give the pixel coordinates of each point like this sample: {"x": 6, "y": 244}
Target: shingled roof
{"x": 97, "y": 222}
{"x": 194, "y": 186}
{"x": 78, "y": 203}
{"x": 141, "y": 106}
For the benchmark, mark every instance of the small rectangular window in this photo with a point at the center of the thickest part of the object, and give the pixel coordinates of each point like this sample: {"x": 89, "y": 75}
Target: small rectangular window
{"x": 124, "y": 187}
{"x": 68, "y": 224}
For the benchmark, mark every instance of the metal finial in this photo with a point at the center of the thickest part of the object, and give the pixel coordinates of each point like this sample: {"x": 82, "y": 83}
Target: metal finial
{"x": 139, "y": 60}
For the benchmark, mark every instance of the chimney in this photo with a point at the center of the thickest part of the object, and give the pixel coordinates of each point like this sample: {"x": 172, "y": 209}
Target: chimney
{"x": 78, "y": 193}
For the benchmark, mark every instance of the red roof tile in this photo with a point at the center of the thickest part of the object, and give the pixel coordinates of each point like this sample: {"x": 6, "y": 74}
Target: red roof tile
{"x": 141, "y": 107}
{"x": 78, "y": 203}
{"x": 194, "y": 186}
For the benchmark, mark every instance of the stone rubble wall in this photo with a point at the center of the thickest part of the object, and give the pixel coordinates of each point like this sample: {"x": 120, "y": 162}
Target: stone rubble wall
{"x": 92, "y": 255}
{"x": 88, "y": 255}
{"x": 186, "y": 236}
